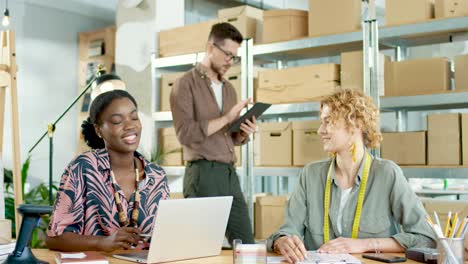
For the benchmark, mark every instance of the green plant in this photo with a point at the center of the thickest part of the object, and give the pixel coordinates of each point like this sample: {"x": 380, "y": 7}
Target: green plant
{"x": 159, "y": 154}
{"x": 38, "y": 195}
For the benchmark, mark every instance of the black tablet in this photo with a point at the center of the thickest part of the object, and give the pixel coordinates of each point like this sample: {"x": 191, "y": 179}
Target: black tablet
{"x": 256, "y": 110}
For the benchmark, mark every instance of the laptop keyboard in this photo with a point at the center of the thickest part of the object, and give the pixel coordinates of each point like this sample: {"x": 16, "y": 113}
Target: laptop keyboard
{"x": 138, "y": 254}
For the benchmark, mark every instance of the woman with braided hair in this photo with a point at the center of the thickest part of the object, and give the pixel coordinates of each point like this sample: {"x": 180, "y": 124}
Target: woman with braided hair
{"x": 108, "y": 196}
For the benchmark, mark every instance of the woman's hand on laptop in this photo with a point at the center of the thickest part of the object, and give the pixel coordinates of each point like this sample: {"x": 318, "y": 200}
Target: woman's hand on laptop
{"x": 123, "y": 238}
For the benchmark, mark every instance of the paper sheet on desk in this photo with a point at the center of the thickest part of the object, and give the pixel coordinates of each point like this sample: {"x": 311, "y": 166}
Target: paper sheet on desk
{"x": 314, "y": 257}
{"x": 275, "y": 260}
{"x": 80, "y": 255}
{"x": 322, "y": 258}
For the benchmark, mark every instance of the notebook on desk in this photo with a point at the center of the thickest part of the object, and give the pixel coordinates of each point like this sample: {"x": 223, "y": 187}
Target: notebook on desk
{"x": 186, "y": 229}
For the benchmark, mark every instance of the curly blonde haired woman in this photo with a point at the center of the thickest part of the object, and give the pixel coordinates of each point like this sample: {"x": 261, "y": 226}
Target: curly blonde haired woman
{"x": 352, "y": 202}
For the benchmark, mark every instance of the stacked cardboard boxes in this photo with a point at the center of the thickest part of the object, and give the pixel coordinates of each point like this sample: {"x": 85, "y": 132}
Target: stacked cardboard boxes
{"x": 284, "y": 24}
{"x": 406, "y": 12}
{"x": 95, "y": 48}
{"x": 237, "y": 151}
{"x": 171, "y": 147}
{"x": 443, "y": 139}
{"x": 334, "y": 16}
{"x": 273, "y": 144}
{"x": 298, "y": 84}
{"x": 247, "y": 19}
{"x": 451, "y": 8}
{"x": 351, "y": 74}
{"x": 445, "y": 142}
{"x": 461, "y": 70}
{"x": 234, "y": 77}
{"x": 167, "y": 82}
{"x": 184, "y": 40}
{"x": 415, "y": 77}
{"x": 269, "y": 215}
{"x": 464, "y": 138}
{"x": 404, "y": 148}
{"x": 307, "y": 146}
{"x": 176, "y": 195}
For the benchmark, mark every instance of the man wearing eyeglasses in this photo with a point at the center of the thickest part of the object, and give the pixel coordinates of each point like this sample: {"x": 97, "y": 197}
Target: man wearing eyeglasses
{"x": 203, "y": 104}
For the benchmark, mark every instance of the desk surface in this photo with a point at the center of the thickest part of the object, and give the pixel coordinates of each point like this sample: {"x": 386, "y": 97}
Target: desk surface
{"x": 224, "y": 258}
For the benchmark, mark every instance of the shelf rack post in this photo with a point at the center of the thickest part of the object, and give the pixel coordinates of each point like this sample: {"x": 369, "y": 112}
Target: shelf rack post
{"x": 370, "y": 38}
{"x": 247, "y": 149}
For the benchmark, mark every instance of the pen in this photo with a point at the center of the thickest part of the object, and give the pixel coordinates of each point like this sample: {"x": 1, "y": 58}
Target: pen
{"x": 464, "y": 230}
{"x": 429, "y": 220}
{"x": 455, "y": 226}
{"x": 436, "y": 217}
{"x": 445, "y": 234}
{"x": 462, "y": 226}
{"x": 438, "y": 231}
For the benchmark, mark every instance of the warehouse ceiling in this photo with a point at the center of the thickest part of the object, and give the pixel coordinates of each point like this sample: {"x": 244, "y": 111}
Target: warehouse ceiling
{"x": 102, "y": 9}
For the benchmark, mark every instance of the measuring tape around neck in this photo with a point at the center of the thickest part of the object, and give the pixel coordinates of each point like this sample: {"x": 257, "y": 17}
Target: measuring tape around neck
{"x": 357, "y": 215}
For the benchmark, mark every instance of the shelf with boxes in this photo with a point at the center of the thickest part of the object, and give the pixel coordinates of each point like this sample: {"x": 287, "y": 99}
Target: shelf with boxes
{"x": 446, "y": 27}
{"x": 439, "y": 152}
{"x": 333, "y": 42}
{"x": 96, "y": 47}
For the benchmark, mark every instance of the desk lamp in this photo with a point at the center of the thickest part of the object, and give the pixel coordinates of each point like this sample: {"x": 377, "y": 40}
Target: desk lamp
{"x": 100, "y": 83}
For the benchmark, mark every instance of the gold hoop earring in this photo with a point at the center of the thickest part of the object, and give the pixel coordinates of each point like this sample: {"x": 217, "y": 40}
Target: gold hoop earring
{"x": 352, "y": 150}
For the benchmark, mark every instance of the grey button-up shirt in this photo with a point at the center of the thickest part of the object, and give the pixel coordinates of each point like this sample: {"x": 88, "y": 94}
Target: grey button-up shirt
{"x": 390, "y": 208}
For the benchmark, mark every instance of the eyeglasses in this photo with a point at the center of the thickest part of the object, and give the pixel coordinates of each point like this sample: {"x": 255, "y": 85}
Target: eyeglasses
{"x": 229, "y": 57}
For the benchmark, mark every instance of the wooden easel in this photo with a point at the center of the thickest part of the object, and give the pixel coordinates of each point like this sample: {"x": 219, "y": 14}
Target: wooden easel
{"x": 8, "y": 71}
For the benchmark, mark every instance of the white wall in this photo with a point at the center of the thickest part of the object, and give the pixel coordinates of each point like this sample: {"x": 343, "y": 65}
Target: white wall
{"x": 47, "y": 58}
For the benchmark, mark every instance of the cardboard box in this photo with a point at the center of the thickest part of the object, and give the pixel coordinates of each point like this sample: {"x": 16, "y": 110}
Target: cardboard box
{"x": 404, "y": 148}
{"x": 352, "y": 75}
{"x": 414, "y": 77}
{"x": 334, "y": 16}
{"x": 167, "y": 82}
{"x": 307, "y": 145}
{"x": 461, "y": 70}
{"x": 284, "y": 24}
{"x": 238, "y": 152}
{"x": 407, "y": 12}
{"x": 234, "y": 77}
{"x": 102, "y": 39}
{"x": 464, "y": 138}
{"x": 5, "y": 235}
{"x": 169, "y": 143}
{"x": 443, "y": 139}
{"x": 269, "y": 215}
{"x": 298, "y": 84}
{"x": 245, "y": 18}
{"x": 451, "y": 8}
{"x": 185, "y": 40}
{"x": 176, "y": 195}
{"x": 273, "y": 144}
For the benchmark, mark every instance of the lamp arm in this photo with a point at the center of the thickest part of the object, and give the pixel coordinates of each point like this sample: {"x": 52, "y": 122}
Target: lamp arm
{"x": 88, "y": 86}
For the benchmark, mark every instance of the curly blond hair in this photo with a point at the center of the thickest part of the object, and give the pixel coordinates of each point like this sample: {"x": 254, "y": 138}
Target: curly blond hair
{"x": 355, "y": 108}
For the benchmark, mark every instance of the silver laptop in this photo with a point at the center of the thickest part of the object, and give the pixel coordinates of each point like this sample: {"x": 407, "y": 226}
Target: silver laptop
{"x": 186, "y": 229}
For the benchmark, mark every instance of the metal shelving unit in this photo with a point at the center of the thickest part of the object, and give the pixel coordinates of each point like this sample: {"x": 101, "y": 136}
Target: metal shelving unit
{"x": 394, "y": 37}
{"x": 449, "y": 100}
